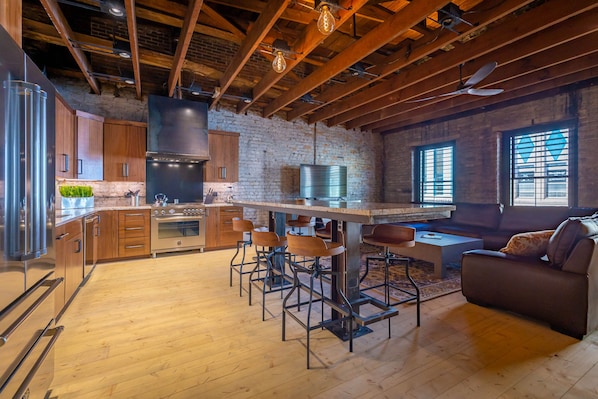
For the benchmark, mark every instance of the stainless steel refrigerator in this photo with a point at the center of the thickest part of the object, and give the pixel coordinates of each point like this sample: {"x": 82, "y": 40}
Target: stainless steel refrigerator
{"x": 27, "y": 260}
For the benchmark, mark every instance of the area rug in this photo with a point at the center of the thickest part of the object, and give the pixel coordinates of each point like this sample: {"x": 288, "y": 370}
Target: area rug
{"x": 422, "y": 272}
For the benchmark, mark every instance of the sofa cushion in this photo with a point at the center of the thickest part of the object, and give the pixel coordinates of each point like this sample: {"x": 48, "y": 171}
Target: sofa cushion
{"x": 567, "y": 234}
{"x": 478, "y": 215}
{"x": 532, "y": 243}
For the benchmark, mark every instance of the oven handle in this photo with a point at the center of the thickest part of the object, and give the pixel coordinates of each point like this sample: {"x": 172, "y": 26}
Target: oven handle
{"x": 177, "y": 218}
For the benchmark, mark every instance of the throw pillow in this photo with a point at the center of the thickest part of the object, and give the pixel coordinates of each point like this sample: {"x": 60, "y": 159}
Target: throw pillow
{"x": 533, "y": 243}
{"x": 567, "y": 234}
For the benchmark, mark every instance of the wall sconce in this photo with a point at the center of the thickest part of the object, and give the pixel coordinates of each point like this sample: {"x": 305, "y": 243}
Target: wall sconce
{"x": 279, "y": 47}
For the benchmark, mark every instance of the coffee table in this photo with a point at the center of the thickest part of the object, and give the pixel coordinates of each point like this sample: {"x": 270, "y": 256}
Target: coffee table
{"x": 439, "y": 248}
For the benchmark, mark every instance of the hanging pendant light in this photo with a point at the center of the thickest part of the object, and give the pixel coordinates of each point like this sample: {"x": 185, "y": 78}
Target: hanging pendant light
{"x": 326, "y": 20}
{"x": 279, "y": 47}
{"x": 279, "y": 64}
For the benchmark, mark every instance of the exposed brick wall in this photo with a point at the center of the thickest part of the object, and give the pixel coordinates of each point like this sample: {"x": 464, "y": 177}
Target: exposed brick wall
{"x": 477, "y": 144}
{"x": 270, "y": 150}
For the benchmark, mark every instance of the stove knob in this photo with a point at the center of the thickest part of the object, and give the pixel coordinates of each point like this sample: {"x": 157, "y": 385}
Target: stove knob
{"x": 156, "y": 212}
{"x": 163, "y": 212}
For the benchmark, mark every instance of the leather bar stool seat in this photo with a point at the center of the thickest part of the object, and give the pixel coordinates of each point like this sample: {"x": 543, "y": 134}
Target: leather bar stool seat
{"x": 392, "y": 236}
{"x": 325, "y": 232}
{"x": 270, "y": 271}
{"x": 299, "y": 223}
{"x": 313, "y": 248}
{"x": 241, "y": 226}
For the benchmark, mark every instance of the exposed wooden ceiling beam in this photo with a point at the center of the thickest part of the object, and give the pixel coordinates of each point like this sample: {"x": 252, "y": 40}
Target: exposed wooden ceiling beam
{"x": 376, "y": 38}
{"x": 565, "y": 54}
{"x": 538, "y": 82}
{"x": 134, "y": 43}
{"x": 256, "y": 34}
{"x": 63, "y": 28}
{"x": 500, "y": 36}
{"x": 425, "y": 79}
{"x": 309, "y": 40}
{"x": 400, "y": 59}
{"x": 183, "y": 45}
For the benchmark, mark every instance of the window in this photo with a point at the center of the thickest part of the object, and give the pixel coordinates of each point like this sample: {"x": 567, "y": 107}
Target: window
{"x": 540, "y": 167}
{"x": 434, "y": 169}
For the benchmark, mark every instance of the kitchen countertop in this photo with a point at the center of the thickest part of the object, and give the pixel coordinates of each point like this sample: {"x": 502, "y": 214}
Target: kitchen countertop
{"x": 64, "y": 216}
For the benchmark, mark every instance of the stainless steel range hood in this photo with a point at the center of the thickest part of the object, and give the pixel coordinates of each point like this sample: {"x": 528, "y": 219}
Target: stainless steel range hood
{"x": 177, "y": 130}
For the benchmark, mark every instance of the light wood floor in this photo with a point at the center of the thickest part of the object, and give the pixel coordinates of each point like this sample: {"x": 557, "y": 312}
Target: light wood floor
{"x": 172, "y": 328}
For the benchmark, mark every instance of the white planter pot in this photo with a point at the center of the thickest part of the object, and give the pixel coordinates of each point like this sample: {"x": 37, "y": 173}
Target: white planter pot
{"x": 77, "y": 202}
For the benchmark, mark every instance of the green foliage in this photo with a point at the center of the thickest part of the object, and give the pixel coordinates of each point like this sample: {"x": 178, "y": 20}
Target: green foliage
{"x": 76, "y": 191}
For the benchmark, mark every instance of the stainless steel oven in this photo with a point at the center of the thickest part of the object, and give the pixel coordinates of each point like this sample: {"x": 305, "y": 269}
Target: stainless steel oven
{"x": 178, "y": 228}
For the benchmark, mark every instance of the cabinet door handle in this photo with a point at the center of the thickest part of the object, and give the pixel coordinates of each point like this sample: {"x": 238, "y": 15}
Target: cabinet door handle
{"x": 79, "y": 246}
{"x": 134, "y": 246}
{"x": 125, "y": 169}
{"x": 79, "y": 166}
{"x": 65, "y": 159}
{"x": 222, "y": 172}
{"x": 133, "y": 214}
{"x": 134, "y": 228}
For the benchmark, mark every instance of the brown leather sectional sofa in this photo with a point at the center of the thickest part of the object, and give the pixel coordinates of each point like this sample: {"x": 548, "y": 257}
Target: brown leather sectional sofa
{"x": 561, "y": 288}
{"x": 495, "y": 224}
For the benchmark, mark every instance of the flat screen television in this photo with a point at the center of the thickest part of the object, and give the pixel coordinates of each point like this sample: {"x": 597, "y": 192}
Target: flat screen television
{"x": 177, "y": 129}
{"x": 178, "y": 180}
{"x": 323, "y": 181}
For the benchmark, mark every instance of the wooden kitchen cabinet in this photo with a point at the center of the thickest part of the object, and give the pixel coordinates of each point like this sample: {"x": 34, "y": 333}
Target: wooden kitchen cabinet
{"x": 69, "y": 262}
{"x": 108, "y": 236}
{"x": 90, "y": 146}
{"x": 65, "y": 140}
{"x": 223, "y": 166}
{"x": 219, "y": 226}
{"x": 124, "y": 150}
{"x": 133, "y": 233}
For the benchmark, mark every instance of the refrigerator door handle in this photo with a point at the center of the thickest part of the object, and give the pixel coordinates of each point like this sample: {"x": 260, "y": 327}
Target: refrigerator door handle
{"x": 25, "y": 315}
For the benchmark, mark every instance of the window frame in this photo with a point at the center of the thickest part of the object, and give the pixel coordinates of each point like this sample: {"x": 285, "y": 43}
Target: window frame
{"x": 418, "y": 183}
{"x": 507, "y": 195}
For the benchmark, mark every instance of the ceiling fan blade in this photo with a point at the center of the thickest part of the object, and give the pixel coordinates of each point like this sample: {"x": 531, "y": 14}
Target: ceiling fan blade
{"x": 480, "y": 74}
{"x": 452, "y": 93}
{"x": 484, "y": 92}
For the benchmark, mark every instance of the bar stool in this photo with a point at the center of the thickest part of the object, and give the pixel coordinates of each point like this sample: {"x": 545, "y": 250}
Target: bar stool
{"x": 241, "y": 226}
{"x": 314, "y": 248}
{"x": 300, "y": 222}
{"x": 325, "y": 232}
{"x": 268, "y": 247}
{"x": 388, "y": 235}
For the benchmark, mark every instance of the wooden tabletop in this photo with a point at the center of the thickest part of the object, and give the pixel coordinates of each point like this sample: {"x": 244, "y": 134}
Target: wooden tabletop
{"x": 355, "y": 211}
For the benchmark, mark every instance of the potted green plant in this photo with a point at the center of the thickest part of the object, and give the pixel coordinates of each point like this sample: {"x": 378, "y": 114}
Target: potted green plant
{"x": 76, "y": 196}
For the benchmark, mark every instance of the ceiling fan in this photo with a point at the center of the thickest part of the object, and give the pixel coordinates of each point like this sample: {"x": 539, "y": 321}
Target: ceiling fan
{"x": 467, "y": 87}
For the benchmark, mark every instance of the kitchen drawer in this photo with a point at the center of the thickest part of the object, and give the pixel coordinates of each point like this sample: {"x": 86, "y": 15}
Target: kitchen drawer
{"x": 136, "y": 246}
{"x": 227, "y": 213}
{"x": 71, "y": 228}
{"x": 134, "y": 218}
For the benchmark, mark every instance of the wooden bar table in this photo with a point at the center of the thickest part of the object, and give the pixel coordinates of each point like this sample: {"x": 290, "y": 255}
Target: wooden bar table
{"x": 352, "y": 214}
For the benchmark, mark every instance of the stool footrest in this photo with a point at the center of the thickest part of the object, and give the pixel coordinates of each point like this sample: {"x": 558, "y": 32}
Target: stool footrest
{"x": 386, "y": 311}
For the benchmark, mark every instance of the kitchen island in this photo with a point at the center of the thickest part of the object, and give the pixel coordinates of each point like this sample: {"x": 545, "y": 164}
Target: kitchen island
{"x": 352, "y": 215}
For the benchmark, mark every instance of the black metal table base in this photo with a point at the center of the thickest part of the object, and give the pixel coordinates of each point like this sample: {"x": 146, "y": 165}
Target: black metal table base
{"x": 342, "y": 333}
